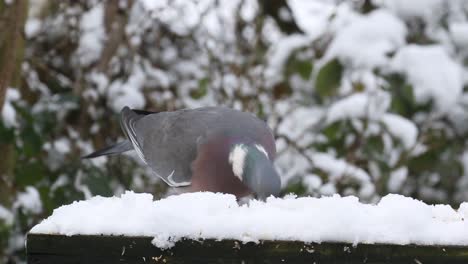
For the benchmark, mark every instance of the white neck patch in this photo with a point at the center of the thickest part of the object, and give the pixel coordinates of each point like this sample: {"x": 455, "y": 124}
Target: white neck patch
{"x": 237, "y": 159}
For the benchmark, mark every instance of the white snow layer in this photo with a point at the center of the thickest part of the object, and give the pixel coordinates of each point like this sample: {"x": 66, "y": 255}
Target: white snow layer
{"x": 29, "y": 200}
{"x": 412, "y": 9}
{"x": 359, "y": 105}
{"x": 459, "y": 34}
{"x": 312, "y": 16}
{"x": 397, "y": 178}
{"x": 299, "y": 122}
{"x": 8, "y": 112}
{"x": 32, "y": 27}
{"x": 279, "y": 53}
{"x": 128, "y": 93}
{"x": 6, "y": 215}
{"x": 433, "y": 74}
{"x": 395, "y": 219}
{"x": 365, "y": 43}
{"x": 337, "y": 169}
{"x": 401, "y": 128}
{"x": 93, "y": 35}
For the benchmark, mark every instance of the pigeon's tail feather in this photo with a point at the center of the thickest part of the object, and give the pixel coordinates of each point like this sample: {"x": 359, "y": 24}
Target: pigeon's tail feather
{"x": 111, "y": 150}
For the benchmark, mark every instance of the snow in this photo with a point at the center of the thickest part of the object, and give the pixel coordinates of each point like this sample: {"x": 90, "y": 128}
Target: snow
{"x": 459, "y": 34}
{"x": 359, "y": 105}
{"x": 411, "y": 9}
{"x": 151, "y": 5}
{"x": 432, "y": 73}
{"x": 337, "y": 169}
{"x": 397, "y": 178}
{"x": 183, "y": 17}
{"x": 61, "y": 145}
{"x": 6, "y": 215}
{"x": 29, "y": 200}
{"x": 327, "y": 189}
{"x": 80, "y": 186}
{"x": 401, "y": 128}
{"x": 8, "y": 111}
{"x": 395, "y": 219}
{"x": 312, "y": 16}
{"x": 100, "y": 81}
{"x": 249, "y": 10}
{"x": 312, "y": 182}
{"x": 128, "y": 93}
{"x": 299, "y": 121}
{"x": 32, "y": 27}
{"x": 279, "y": 53}
{"x": 93, "y": 35}
{"x": 365, "y": 43}
{"x": 463, "y": 210}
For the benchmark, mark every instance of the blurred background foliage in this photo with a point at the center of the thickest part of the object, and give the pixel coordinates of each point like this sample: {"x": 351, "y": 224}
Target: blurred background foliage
{"x": 366, "y": 97}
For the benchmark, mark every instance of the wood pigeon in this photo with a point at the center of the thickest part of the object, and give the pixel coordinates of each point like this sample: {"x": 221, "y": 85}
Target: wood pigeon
{"x": 215, "y": 149}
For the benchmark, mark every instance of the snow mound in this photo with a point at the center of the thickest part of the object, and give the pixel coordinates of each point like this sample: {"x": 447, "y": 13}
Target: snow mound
{"x": 401, "y": 128}
{"x": 395, "y": 219}
{"x": 360, "y": 105}
{"x": 93, "y": 35}
{"x": 312, "y": 16}
{"x": 423, "y": 9}
{"x": 8, "y": 113}
{"x": 434, "y": 75}
{"x": 364, "y": 43}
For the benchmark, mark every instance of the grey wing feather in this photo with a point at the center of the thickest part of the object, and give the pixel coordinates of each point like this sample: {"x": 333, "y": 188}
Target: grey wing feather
{"x": 171, "y": 140}
{"x": 163, "y": 143}
{"x": 128, "y": 123}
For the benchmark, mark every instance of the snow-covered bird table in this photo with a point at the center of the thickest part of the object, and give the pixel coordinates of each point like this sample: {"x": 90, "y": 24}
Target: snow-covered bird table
{"x": 208, "y": 227}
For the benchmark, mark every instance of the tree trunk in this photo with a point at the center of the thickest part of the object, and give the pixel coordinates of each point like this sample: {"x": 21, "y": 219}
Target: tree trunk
{"x": 12, "y": 20}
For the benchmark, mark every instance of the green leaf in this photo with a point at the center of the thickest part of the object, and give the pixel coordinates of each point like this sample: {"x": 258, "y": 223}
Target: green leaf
{"x": 403, "y": 100}
{"x": 302, "y": 67}
{"x": 374, "y": 148}
{"x": 261, "y": 112}
{"x": 29, "y": 173}
{"x": 329, "y": 78}
{"x": 296, "y": 187}
{"x": 24, "y": 113}
{"x": 32, "y": 142}
{"x": 59, "y": 195}
{"x": 202, "y": 89}
{"x": 305, "y": 69}
{"x": 97, "y": 182}
{"x": 7, "y": 135}
{"x": 5, "y": 230}
{"x": 332, "y": 131}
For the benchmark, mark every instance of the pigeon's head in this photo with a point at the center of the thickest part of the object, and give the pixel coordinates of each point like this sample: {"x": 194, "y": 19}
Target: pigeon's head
{"x": 251, "y": 164}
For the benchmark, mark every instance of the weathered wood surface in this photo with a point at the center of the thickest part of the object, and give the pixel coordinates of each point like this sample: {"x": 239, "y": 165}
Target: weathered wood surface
{"x": 50, "y": 249}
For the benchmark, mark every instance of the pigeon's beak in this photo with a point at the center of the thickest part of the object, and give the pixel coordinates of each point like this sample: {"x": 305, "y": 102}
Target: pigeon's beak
{"x": 267, "y": 180}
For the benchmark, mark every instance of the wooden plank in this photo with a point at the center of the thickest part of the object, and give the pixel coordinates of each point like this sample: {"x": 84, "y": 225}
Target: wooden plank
{"x": 51, "y": 249}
